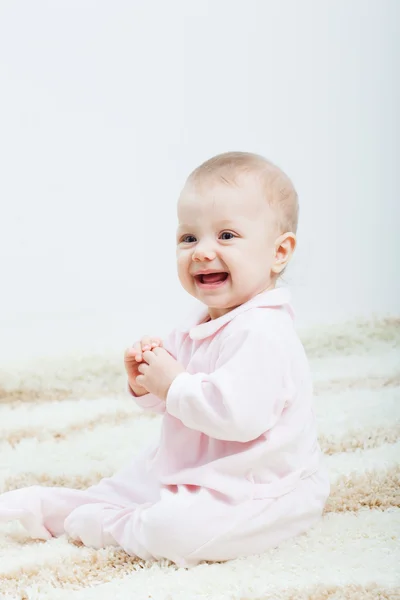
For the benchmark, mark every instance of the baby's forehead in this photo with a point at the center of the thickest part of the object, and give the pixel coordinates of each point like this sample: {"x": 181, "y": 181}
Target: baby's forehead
{"x": 215, "y": 196}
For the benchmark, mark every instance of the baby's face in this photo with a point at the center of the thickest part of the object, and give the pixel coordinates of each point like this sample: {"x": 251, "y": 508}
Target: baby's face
{"x": 225, "y": 244}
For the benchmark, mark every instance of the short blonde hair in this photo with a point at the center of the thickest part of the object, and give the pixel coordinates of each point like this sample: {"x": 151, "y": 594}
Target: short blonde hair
{"x": 278, "y": 188}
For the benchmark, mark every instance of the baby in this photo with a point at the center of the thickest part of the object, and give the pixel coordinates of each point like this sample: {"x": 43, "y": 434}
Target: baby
{"x": 237, "y": 468}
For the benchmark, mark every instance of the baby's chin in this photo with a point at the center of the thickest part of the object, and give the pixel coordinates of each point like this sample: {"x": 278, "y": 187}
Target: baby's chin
{"x": 222, "y": 298}
{"x": 230, "y": 301}
{"x": 220, "y": 306}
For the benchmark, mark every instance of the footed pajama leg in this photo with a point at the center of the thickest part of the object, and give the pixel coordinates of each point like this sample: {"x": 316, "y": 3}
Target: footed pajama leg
{"x": 44, "y": 510}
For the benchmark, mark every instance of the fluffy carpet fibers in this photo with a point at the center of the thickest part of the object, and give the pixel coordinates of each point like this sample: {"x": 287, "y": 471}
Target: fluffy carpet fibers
{"x": 67, "y": 422}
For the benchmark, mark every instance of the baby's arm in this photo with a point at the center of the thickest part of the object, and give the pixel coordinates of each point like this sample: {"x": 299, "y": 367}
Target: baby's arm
{"x": 243, "y": 398}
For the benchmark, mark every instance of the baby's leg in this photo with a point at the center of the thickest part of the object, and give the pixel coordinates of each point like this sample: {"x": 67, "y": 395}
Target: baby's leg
{"x": 132, "y": 487}
{"x": 174, "y": 527}
{"x": 260, "y": 524}
{"x": 43, "y": 510}
{"x": 188, "y": 526}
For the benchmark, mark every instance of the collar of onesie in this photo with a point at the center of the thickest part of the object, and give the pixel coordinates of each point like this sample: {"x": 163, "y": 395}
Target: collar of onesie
{"x": 205, "y": 327}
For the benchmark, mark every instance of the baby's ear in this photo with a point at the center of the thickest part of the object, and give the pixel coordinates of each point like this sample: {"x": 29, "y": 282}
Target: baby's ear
{"x": 284, "y": 247}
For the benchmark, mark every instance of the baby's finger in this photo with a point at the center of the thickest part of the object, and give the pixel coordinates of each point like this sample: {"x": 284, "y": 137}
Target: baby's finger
{"x": 156, "y": 343}
{"x": 145, "y": 343}
{"x": 137, "y": 351}
{"x": 140, "y": 379}
{"x": 129, "y": 353}
{"x": 158, "y": 351}
{"x": 149, "y": 356}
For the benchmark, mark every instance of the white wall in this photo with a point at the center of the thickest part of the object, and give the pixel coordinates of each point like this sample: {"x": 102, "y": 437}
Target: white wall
{"x": 106, "y": 106}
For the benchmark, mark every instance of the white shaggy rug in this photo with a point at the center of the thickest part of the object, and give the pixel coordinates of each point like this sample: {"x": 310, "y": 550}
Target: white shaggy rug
{"x": 68, "y": 422}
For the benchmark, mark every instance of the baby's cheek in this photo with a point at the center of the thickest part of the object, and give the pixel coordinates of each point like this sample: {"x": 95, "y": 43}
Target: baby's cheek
{"x": 184, "y": 277}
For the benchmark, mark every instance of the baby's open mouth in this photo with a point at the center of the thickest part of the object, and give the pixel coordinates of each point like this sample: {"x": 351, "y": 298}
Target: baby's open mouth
{"x": 211, "y": 278}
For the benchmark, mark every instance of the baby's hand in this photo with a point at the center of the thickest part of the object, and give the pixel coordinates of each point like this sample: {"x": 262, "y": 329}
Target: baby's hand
{"x": 134, "y": 356}
{"x": 158, "y": 371}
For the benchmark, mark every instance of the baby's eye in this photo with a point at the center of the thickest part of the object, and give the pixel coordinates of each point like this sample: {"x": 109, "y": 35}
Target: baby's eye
{"x": 227, "y": 235}
{"x": 188, "y": 239}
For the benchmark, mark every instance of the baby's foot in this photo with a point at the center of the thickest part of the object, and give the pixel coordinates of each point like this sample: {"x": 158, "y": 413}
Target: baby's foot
{"x": 85, "y": 524}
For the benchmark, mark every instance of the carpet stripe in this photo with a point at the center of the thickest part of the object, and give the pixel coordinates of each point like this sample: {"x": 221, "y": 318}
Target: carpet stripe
{"x": 355, "y": 337}
{"x": 357, "y": 439}
{"x": 362, "y": 461}
{"x": 376, "y": 382}
{"x": 373, "y": 489}
{"x": 384, "y": 363}
{"x": 363, "y": 409}
{"x": 112, "y": 420}
{"x": 335, "y": 592}
{"x": 61, "y": 414}
{"x": 54, "y": 456}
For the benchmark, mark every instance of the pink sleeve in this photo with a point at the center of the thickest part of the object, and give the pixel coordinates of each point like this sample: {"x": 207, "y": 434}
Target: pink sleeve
{"x": 243, "y": 398}
{"x": 150, "y": 402}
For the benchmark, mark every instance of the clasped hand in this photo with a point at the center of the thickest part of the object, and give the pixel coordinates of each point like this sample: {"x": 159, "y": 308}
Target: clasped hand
{"x": 150, "y": 368}
{"x": 158, "y": 372}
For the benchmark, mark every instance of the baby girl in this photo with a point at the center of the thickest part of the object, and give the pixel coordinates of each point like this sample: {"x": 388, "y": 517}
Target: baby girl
{"x": 237, "y": 468}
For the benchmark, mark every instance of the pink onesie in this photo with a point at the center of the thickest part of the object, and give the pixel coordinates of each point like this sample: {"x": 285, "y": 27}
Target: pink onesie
{"x": 237, "y": 468}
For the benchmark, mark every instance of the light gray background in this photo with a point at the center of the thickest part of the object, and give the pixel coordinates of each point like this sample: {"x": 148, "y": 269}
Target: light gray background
{"x": 106, "y": 106}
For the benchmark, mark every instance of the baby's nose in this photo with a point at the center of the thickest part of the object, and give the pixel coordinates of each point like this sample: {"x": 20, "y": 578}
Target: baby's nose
{"x": 201, "y": 254}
